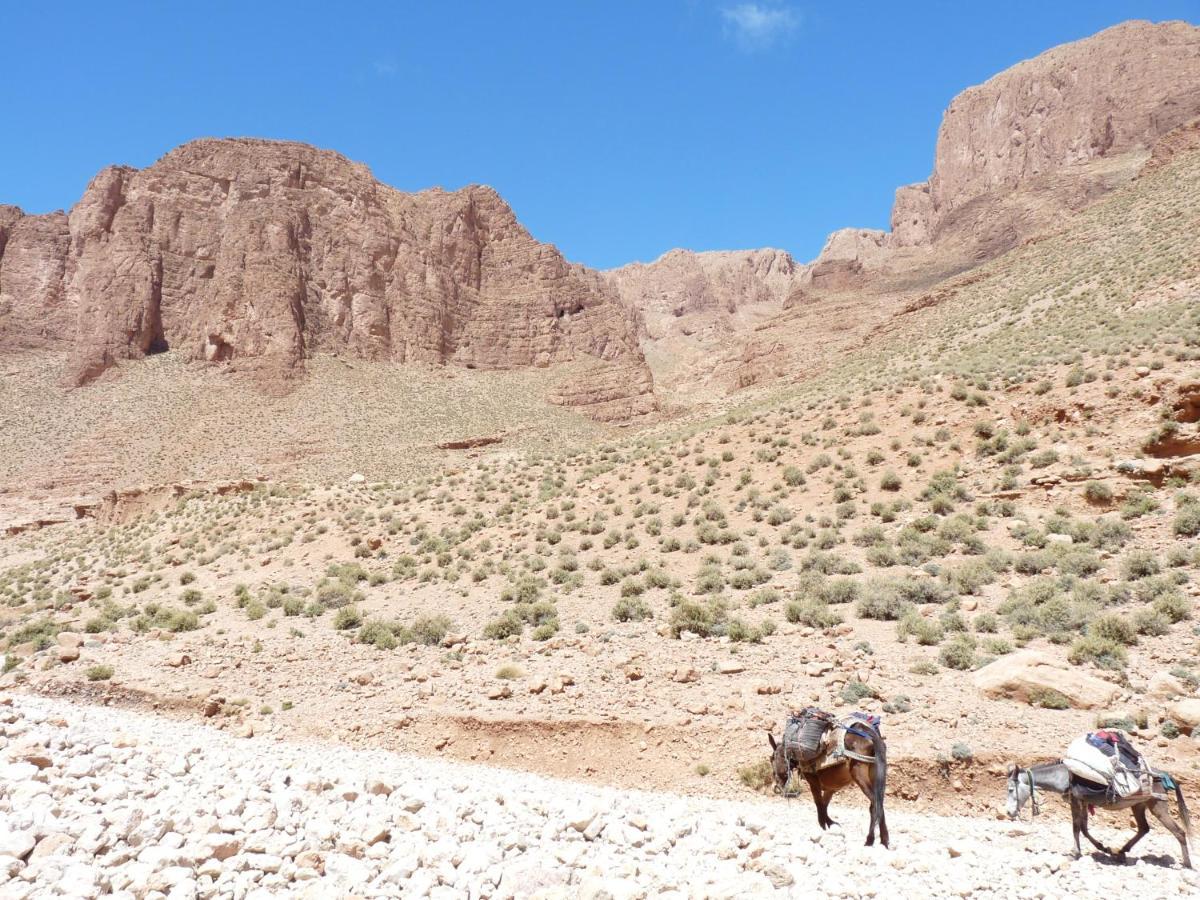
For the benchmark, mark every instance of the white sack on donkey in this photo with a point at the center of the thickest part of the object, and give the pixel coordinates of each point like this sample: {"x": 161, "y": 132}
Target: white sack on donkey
{"x": 1107, "y": 759}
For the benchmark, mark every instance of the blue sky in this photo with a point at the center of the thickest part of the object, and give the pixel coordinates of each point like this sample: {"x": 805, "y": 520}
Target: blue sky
{"x": 617, "y": 130}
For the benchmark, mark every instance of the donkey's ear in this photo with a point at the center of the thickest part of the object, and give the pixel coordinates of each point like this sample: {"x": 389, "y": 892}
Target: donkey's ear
{"x": 771, "y": 738}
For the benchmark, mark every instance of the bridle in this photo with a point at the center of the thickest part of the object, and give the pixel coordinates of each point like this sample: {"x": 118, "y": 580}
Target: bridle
{"x": 783, "y": 791}
{"x": 1035, "y": 806}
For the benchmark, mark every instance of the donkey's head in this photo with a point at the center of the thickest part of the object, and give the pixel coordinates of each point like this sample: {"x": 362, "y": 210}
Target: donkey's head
{"x": 779, "y": 765}
{"x": 1018, "y": 791}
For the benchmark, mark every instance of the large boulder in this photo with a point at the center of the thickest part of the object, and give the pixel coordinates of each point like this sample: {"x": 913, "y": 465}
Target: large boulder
{"x": 1186, "y": 714}
{"x": 1028, "y": 673}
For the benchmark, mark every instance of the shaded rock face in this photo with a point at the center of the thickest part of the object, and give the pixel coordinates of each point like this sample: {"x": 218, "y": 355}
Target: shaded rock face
{"x": 682, "y": 283}
{"x": 1094, "y": 99}
{"x": 259, "y": 253}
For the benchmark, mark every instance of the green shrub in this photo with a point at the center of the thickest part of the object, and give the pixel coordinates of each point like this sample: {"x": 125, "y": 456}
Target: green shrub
{"x": 1172, "y": 606}
{"x": 958, "y": 652}
{"x": 1048, "y": 698}
{"x": 855, "y": 690}
{"x": 703, "y": 618}
{"x": 378, "y": 633}
{"x": 40, "y": 633}
{"x": 997, "y": 646}
{"x": 1151, "y": 623}
{"x": 813, "y": 612}
{"x": 1139, "y": 564}
{"x": 758, "y": 776}
{"x": 347, "y": 617}
{"x": 840, "y": 590}
{"x": 631, "y": 609}
{"x": 890, "y": 481}
{"x": 986, "y": 623}
{"x": 1101, "y": 652}
{"x": 741, "y": 632}
{"x": 508, "y": 624}
{"x": 1098, "y": 492}
{"x": 1113, "y": 628}
{"x": 763, "y": 597}
{"x": 427, "y": 630}
{"x": 99, "y": 673}
{"x": 1187, "y": 521}
{"x": 927, "y": 632}
{"x": 632, "y": 587}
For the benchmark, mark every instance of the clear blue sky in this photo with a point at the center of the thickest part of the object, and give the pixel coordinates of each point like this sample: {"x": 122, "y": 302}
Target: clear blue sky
{"x": 617, "y": 130}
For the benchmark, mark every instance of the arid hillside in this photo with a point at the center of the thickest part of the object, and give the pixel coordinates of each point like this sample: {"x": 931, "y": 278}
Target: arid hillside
{"x": 978, "y": 520}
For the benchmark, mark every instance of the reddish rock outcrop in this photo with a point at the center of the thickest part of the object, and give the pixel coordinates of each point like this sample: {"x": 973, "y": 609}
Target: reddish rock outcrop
{"x": 615, "y": 392}
{"x": 681, "y": 283}
{"x": 847, "y": 254}
{"x": 260, "y": 253}
{"x": 1184, "y": 139}
{"x": 1094, "y": 99}
{"x": 33, "y": 256}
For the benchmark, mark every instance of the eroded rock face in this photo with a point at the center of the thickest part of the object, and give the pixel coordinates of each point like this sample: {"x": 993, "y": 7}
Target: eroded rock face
{"x": 847, "y": 254}
{"x": 260, "y": 253}
{"x": 1094, "y": 99}
{"x": 33, "y": 251}
{"x": 682, "y": 283}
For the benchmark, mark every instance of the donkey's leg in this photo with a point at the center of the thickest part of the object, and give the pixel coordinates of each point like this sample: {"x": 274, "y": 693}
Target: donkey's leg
{"x": 822, "y": 802}
{"x": 1162, "y": 812}
{"x": 1083, "y": 825}
{"x": 829, "y": 793}
{"x": 1077, "y": 814}
{"x": 1139, "y": 816}
{"x": 861, "y": 774}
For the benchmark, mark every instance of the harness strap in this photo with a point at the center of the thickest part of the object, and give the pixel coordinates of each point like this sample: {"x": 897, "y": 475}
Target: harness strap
{"x": 1033, "y": 801}
{"x": 853, "y": 729}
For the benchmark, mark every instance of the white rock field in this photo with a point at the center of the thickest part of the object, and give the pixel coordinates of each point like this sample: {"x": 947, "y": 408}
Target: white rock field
{"x": 97, "y": 801}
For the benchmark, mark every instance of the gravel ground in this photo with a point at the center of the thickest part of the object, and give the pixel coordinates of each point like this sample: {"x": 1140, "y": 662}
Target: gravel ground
{"x": 97, "y": 801}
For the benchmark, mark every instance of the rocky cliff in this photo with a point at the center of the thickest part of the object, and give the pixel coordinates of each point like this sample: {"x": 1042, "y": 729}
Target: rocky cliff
{"x": 1042, "y": 126}
{"x": 256, "y": 254}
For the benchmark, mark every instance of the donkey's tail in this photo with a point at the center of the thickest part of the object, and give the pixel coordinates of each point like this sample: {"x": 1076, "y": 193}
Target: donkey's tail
{"x": 880, "y": 750}
{"x": 1183, "y": 810}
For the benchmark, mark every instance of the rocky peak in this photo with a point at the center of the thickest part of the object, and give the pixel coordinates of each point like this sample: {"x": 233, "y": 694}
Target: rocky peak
{"x": 256, "y": 253}
{"x": 1115, "y": 92}
{"x": 682, "y": 283}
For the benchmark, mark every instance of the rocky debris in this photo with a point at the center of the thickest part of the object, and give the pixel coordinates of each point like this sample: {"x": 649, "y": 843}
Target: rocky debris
{"x": 262, "y": 818}
{"x": 255, "y": 254}
{"x": 1026, "y": 673}
{"x": 470, "y": 443}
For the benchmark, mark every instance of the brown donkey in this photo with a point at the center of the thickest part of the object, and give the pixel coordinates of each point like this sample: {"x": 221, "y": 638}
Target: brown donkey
{"x": 864, "y": 764}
